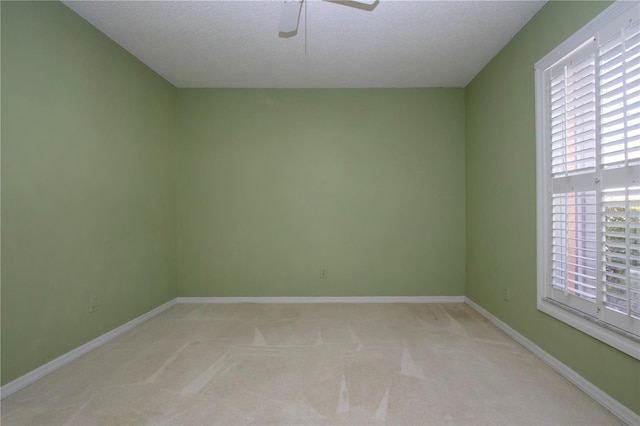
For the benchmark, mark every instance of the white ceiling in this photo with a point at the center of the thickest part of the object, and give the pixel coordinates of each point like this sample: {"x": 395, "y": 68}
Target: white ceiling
{"x": 235, "y": 43}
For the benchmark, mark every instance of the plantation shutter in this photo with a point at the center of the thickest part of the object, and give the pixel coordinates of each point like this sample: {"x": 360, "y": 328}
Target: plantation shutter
{"x": 593, "y": 98}
{"x": 573, "y": 106}
{"x": 619, "y": 91}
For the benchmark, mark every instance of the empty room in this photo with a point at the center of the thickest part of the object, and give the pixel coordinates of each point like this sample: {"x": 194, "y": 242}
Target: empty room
{"x": 309, "y": 212}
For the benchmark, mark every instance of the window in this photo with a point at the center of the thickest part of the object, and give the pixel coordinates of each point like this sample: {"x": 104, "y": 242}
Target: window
{"x": 588, "y": 163}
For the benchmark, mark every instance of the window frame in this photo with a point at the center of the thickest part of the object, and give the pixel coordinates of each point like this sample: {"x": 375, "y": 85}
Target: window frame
{"x": 621, "y": 340}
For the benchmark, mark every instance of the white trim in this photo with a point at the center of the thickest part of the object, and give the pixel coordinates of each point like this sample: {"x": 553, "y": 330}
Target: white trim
{"x": 622, "y": 412}
{"x": 542, "y": 187}
{"x": 76, "y": 353}
{"x": 356, "y": 299}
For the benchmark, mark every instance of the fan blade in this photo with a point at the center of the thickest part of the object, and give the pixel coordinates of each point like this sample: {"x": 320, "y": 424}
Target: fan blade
{"x": 290, "y": 16}
{"x": 367, "y": 2}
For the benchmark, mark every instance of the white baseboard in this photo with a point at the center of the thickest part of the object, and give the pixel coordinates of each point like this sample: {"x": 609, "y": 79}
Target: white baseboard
{"x": 76, "y": 353}
{"x": 622, "y": 412}
{"x": 356, "y": 299}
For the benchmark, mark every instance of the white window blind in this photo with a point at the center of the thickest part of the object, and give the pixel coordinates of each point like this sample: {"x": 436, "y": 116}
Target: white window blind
{"x": 589, "y": 175}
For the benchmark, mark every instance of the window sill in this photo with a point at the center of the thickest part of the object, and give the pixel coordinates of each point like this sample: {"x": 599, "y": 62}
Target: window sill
{"x": 619, "y": 340}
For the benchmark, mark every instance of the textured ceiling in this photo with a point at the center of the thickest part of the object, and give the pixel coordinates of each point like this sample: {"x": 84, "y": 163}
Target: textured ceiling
{"x": 237, "y": 44}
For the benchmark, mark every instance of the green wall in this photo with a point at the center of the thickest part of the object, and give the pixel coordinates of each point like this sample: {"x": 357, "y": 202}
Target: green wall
{"x": 274, "y": 185}
{"x": 87, "y": 185}
{"x": 501, "y": 202}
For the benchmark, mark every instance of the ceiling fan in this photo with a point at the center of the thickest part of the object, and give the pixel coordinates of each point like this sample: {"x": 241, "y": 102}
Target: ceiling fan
{"x": 291, "y": 13}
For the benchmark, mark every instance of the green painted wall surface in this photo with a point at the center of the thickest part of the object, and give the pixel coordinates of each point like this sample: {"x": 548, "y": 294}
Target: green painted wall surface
{"x": 274, "y": 185}
{"x": 87, "y": 185}
{"x": 501, "y": 202}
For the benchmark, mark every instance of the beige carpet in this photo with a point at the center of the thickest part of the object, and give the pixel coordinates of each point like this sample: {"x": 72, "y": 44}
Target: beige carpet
{"x": 394, "y": 364}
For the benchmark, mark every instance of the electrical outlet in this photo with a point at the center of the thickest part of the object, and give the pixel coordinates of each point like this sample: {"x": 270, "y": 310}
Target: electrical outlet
{"x": 506, "y": 294}
{"x": 324, "y": 273}
{"x": 93, "y": 304}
